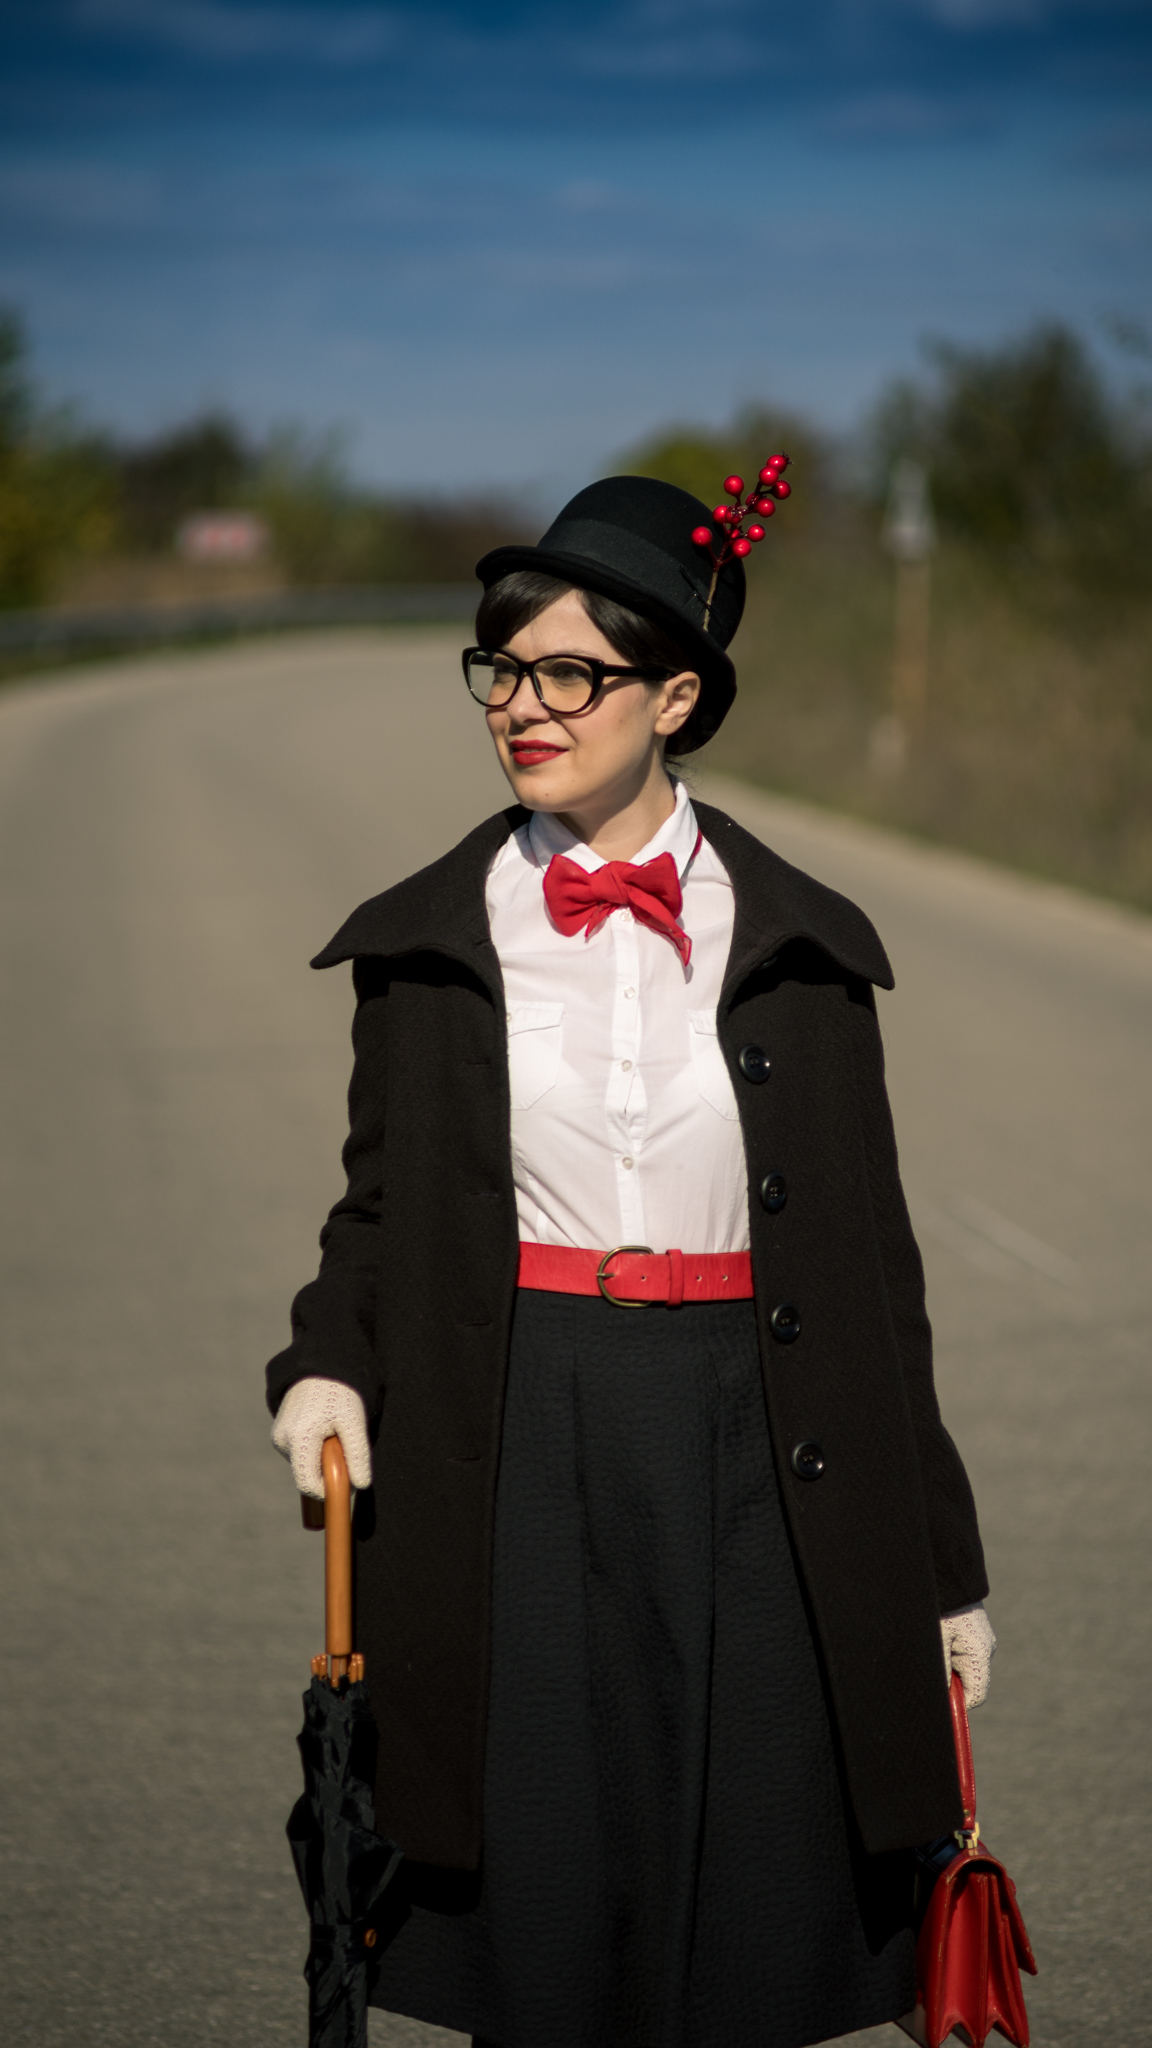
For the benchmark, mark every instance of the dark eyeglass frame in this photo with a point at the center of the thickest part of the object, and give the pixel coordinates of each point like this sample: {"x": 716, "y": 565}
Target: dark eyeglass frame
{"x": 601, "y": 670}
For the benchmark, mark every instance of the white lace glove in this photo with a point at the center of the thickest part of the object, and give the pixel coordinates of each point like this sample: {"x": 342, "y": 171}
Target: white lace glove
{"x": 969, "y": 1647}
{"x": 312, "y": 1410}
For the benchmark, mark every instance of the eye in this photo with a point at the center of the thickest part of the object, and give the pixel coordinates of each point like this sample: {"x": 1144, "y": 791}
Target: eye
{"x": 567, "y": 674}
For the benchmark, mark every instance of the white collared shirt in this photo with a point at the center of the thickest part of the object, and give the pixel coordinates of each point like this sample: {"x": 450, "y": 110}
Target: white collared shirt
{"x": 624, "y": 1122}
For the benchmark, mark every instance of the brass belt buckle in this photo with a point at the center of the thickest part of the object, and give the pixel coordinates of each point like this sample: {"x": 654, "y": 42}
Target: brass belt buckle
{"x": 601, "y": 1276}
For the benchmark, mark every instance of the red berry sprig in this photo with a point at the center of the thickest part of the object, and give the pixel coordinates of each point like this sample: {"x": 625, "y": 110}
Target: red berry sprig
{"x": 739, "y": 540}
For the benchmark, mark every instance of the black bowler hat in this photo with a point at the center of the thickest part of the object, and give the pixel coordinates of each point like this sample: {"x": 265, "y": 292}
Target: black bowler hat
{"x": 630, "y": 537}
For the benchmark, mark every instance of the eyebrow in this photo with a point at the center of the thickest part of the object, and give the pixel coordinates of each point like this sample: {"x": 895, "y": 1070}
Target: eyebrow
{"x": 573, "y": 654}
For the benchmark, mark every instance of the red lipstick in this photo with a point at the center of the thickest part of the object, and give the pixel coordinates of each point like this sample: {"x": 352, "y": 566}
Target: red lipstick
{"x": 530, "y": 754}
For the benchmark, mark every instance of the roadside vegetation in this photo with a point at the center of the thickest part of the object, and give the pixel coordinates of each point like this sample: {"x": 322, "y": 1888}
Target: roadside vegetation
{"x": 84, "y": 515}
{"x": 1029, "y": 738}
{"x": 1031, "y": 741}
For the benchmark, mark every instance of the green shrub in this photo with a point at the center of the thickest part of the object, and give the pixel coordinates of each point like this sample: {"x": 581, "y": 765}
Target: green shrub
{"x": 56, "y": 487}
{"x": 1036, "y": 741}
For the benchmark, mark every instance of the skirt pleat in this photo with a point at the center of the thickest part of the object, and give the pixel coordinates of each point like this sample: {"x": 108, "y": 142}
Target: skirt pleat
{"x": 667, "y": 1859}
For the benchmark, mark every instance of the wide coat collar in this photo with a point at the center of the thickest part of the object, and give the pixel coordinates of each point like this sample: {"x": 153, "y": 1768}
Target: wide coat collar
{"x": 441, "y": 909}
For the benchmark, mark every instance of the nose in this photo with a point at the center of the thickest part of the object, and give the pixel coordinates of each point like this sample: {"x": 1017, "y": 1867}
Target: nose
{"x": 524, "y": 706}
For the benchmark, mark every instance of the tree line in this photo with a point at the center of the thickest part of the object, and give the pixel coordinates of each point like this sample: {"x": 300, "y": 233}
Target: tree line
{"x": 72, "y": 493}
{"x": 1037, "y": 468}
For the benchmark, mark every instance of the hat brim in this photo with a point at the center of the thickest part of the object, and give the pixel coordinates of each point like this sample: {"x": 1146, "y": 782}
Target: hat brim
{"x": 716, "y": 671}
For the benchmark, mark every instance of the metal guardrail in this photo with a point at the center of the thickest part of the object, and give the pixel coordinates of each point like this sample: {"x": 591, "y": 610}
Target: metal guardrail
{"x": 126, "y": 625}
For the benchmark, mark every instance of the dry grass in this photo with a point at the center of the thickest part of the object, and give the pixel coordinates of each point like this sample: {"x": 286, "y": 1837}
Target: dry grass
{"x": 1036, "y": 743}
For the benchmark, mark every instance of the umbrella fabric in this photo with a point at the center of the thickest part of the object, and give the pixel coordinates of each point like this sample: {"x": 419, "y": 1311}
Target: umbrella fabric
{"x": 345, "y": 1868}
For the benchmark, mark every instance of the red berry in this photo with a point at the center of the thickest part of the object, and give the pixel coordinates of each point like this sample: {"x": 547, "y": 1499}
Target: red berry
{"x": 733, "y": 485}
{"x": 765, "y": 505}
{"x": 741, "y": 547}
{"x": 702, "y": 536}
{"x": 767, "y": 473}
{"x": 782, "y": 490}
{"x": 755, "y": 533}
{"x": 722, "y": 512}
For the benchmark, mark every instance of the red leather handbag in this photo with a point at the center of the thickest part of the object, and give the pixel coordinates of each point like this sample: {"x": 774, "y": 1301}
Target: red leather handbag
{"x": 972, "y": 1943}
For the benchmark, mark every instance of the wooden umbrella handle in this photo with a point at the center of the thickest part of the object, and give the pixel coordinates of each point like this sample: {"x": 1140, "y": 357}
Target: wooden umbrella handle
{"x": 338, "y": 1660}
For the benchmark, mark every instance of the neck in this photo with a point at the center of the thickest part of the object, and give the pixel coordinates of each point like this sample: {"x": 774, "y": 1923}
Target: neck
{"x": 616, "y": 830}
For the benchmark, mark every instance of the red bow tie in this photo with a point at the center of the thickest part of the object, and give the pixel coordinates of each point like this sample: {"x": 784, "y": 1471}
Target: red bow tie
{"x": 577, "y": 900}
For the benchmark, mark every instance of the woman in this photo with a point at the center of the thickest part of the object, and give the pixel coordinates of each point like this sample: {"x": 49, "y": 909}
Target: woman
{"x": 653, "y": 1545}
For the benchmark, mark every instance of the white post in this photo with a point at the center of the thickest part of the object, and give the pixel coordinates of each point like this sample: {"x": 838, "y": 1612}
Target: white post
{"x": 909, "y": 535}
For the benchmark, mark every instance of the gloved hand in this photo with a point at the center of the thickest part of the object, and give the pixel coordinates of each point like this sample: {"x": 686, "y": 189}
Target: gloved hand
{"x": 312, "y": 1410}
{"x": 969, "y": 1647}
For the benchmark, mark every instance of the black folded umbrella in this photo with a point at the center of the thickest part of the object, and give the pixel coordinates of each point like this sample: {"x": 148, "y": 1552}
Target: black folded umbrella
{"x": 345, "y": 1868}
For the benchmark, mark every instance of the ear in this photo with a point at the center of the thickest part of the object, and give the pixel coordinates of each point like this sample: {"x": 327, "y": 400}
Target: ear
{"x": 677, "y": 700}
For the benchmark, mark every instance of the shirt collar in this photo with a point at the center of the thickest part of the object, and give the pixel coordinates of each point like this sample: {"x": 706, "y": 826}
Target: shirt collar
{"x": 677, "y": 835}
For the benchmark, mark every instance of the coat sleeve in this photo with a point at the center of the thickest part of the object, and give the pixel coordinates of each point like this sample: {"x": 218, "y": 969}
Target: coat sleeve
{"x": 334, "y": 1316}
{"x": 957, "y": 1552}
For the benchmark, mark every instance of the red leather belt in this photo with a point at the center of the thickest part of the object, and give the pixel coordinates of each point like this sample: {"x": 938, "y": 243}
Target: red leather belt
{"x": 633, "y": 1276}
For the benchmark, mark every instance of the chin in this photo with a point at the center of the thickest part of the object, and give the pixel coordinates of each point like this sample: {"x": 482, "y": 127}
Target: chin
{"x": 540, "y": 788}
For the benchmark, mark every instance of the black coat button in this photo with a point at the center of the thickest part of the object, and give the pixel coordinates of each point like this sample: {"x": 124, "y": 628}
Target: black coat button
{"x": 784, "y": 1323}
{"x": 807, "y": 1461}
{"x": 773, "y": 1192}
{"x": 754, "y": 1063}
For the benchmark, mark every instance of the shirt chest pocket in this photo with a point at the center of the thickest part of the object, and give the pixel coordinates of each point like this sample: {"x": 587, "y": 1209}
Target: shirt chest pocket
{"x": 535, "y": 1031}
{"x": 712, "y": 1076}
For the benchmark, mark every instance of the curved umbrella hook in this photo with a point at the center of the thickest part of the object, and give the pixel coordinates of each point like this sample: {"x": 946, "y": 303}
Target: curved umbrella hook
{"x": 334, "y": 1516}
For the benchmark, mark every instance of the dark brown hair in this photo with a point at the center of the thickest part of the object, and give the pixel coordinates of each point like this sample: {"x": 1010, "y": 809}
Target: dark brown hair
{"x": 516, "y": 600}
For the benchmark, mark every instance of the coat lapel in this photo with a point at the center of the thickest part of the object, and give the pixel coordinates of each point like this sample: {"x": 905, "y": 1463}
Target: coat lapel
{"x": 776, "y": 903}
{"x": 442, "y": 909}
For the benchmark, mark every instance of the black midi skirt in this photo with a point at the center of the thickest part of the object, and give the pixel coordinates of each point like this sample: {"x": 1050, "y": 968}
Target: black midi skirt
{"x": 667, "y": 1859}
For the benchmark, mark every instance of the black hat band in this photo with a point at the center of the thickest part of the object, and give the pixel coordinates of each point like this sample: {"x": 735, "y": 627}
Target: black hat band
{"x": 639, "y": 560}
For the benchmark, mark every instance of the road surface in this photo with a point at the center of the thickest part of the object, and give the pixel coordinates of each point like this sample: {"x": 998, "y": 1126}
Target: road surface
{"x": 177, "y": 835}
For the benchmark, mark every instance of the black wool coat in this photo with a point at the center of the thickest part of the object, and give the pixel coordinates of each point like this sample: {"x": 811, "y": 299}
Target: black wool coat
{"x": 413, "y": 1308}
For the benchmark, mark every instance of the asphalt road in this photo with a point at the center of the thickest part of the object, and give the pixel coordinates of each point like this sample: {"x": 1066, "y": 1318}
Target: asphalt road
{"x": 177, "y": 836}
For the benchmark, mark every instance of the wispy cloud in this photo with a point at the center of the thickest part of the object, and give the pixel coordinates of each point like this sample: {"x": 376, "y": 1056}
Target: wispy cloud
{"x": 675, "y": 40}
{"x": 1121, "y": 146}
{"x": 42, "y": 196}
{"x": 229, "y": 34}
{"x": 735, "y": 61}
{"x": 985, "y": 14}
{"x": 589, "y": 195}
{"x": 564, "y": 272}
{"x": 905, "y": 117}
{"x": 599, "y": 215}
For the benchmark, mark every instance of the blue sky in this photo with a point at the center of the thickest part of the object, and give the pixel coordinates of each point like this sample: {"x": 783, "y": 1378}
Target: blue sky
{"x": 496, "y": 244}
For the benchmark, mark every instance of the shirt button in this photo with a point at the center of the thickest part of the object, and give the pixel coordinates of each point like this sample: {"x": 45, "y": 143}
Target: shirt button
{"x": 628, "y": 994}
{"x": 627, "y": 1066}
{"x": 625, "y": 1162}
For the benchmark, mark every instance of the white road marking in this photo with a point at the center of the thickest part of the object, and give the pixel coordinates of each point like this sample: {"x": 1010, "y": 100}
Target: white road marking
{"x": 931, "y": 1221}
{"x": 1009, "y": 1237}
{"x": 989, "y": 1241}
